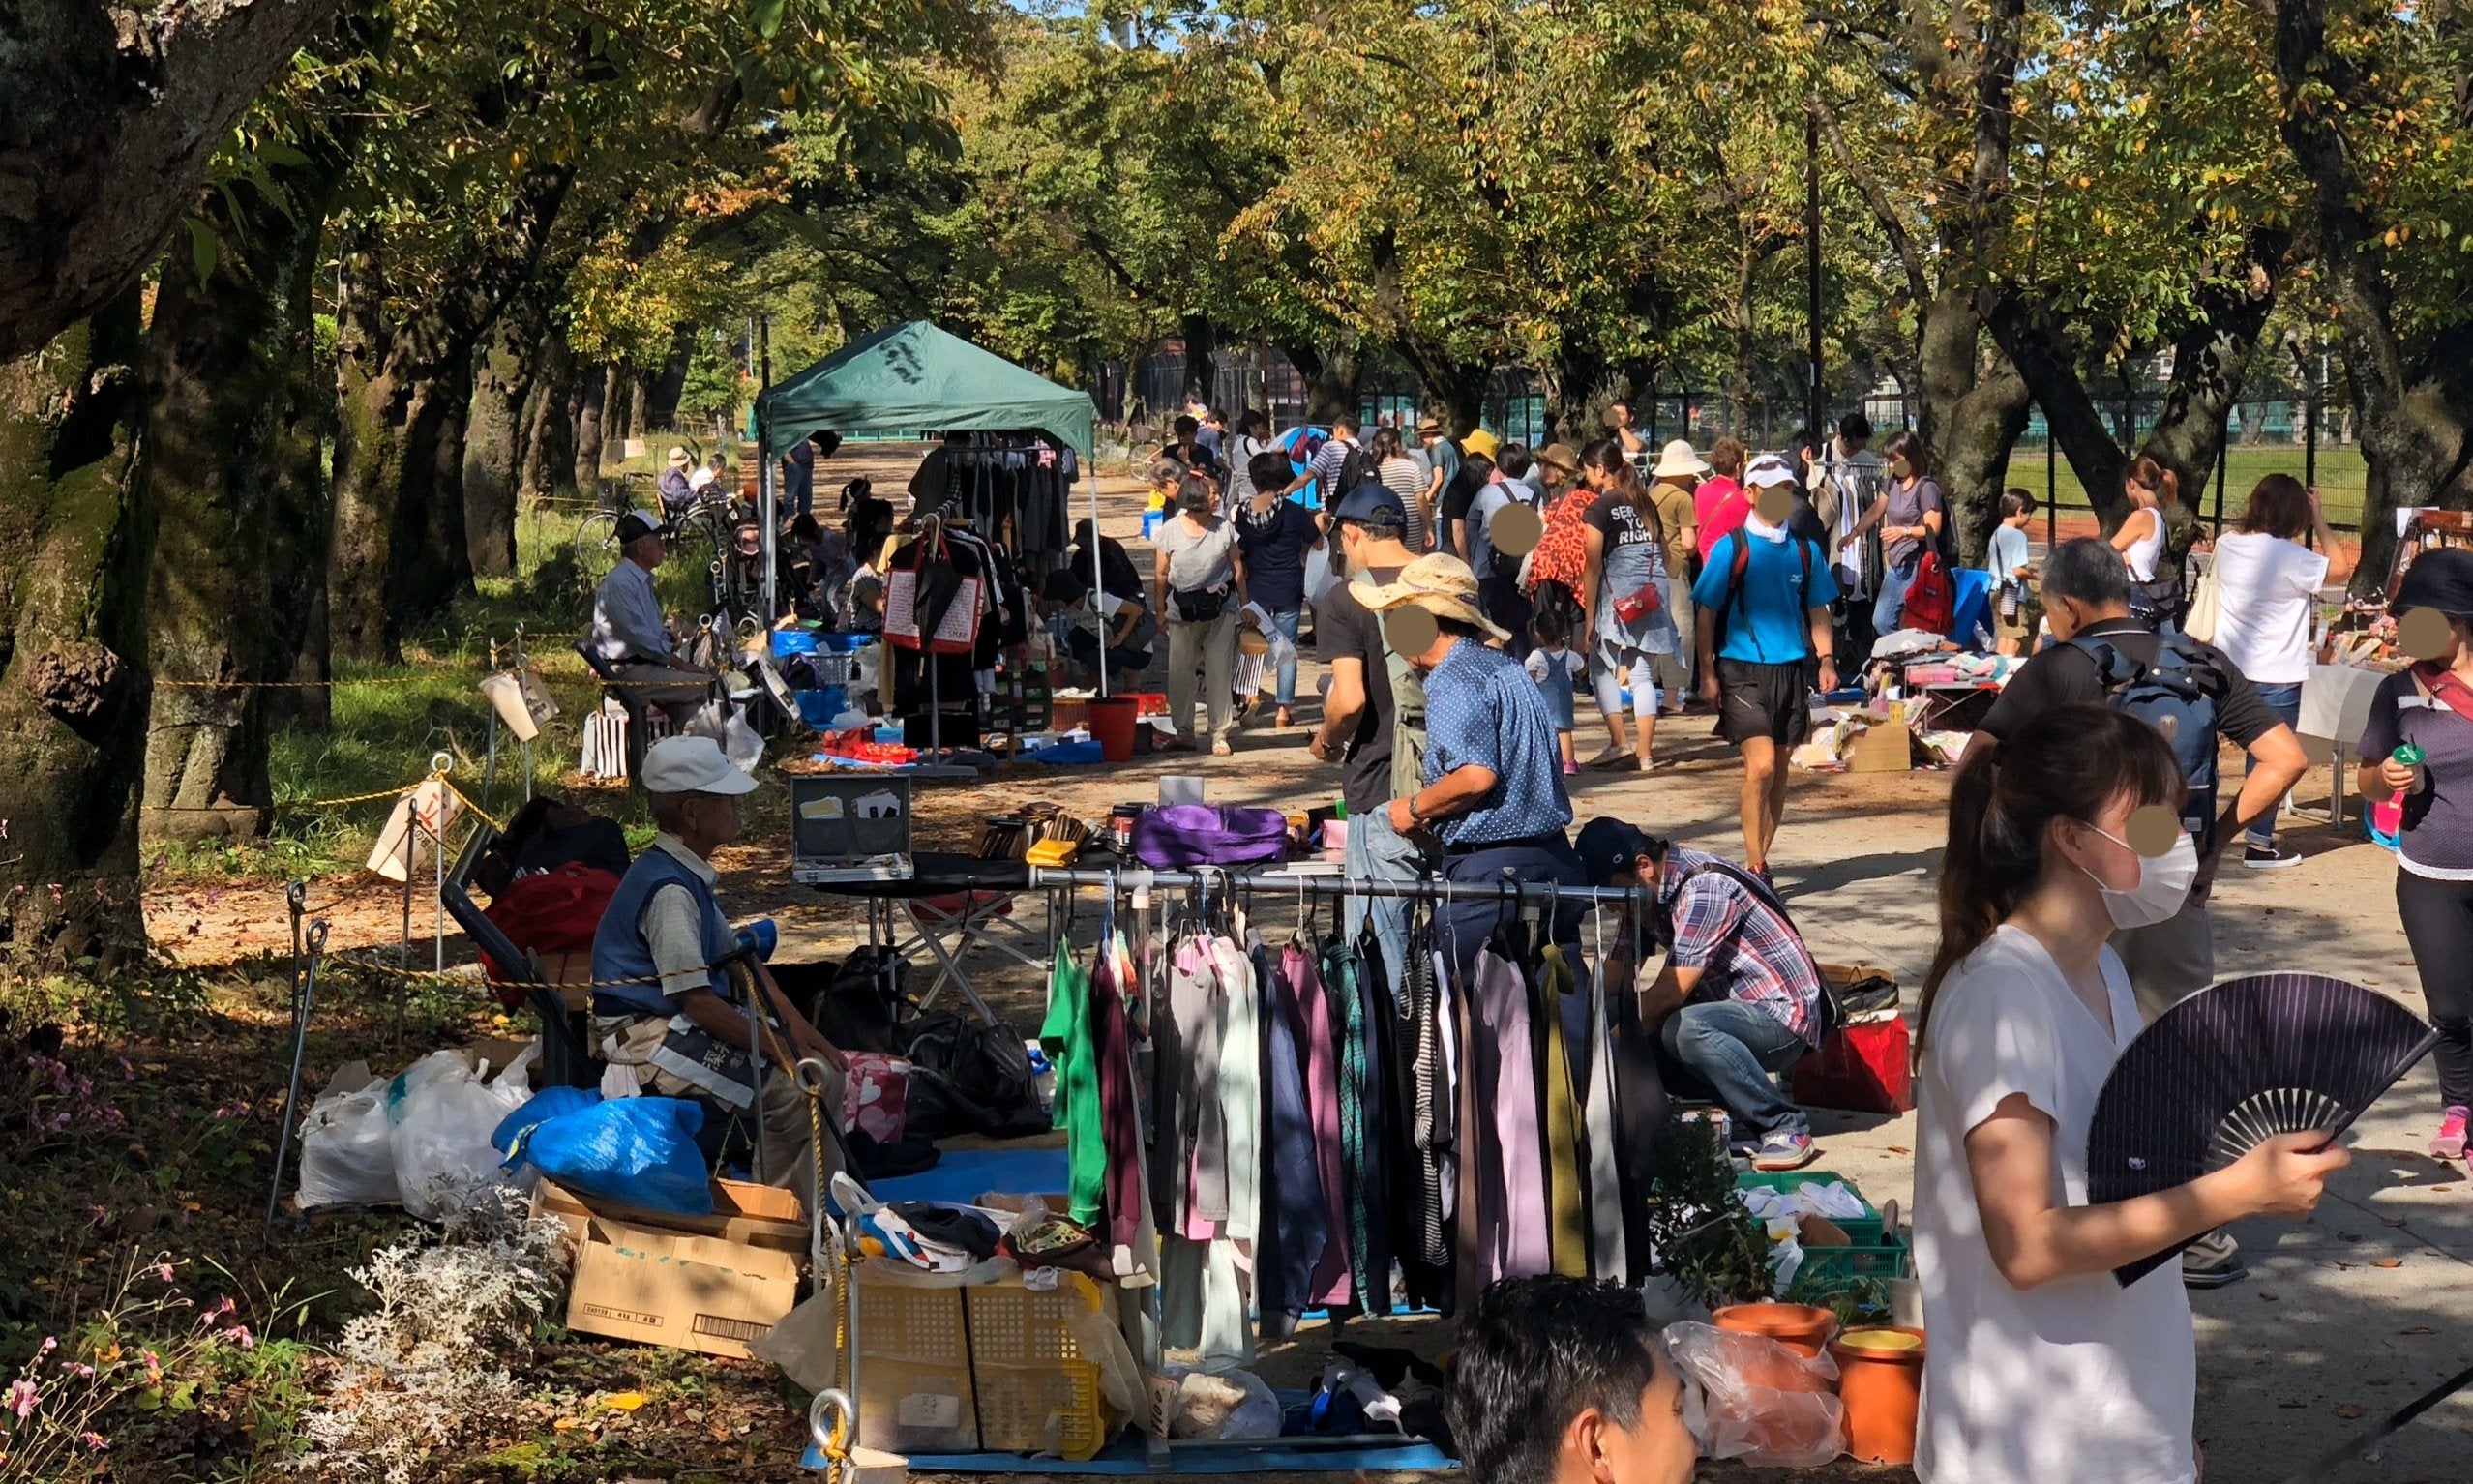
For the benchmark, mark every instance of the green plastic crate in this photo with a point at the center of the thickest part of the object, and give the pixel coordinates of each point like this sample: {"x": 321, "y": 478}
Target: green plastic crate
{"x": 1862, "y": 1230}
{"x": 1828, "y": 1271}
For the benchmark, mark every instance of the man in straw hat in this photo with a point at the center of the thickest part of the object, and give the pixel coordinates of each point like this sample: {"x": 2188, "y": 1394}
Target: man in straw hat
{"x": 1672, "y": 483}
{"x": 671, "y": 1020}
{"x": 1491, "y": 791}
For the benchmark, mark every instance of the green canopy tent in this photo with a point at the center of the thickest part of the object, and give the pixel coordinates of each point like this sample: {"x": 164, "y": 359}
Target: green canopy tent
{"x": 916, "y": 379}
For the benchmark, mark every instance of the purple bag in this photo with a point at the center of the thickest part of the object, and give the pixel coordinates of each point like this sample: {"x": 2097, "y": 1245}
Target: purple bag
{"x": 1175, "y": 837}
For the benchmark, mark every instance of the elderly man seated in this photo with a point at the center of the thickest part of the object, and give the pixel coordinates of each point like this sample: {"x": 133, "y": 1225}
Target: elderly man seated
{"x": 627, "y": 627}
{"x": 1739, "y": 999}
{"x": 669, "y": 1019}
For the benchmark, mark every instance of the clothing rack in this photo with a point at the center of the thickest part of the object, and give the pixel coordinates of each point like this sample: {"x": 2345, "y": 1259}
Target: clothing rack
{"x": 1428, "y": 889}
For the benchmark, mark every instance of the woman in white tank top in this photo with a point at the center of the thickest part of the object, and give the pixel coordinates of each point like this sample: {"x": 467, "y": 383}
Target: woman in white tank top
{"x": 2155, "y": 594}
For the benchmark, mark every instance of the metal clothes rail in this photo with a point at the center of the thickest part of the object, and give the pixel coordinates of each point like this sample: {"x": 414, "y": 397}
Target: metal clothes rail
{"x": 1424, "y": 889}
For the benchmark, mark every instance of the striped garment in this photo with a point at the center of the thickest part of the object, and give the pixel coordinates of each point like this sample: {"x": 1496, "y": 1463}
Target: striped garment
{"x": 1745, "y": 947}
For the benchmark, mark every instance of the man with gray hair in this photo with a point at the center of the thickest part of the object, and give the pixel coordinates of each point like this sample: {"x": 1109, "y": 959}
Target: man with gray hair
{"x": 668, "y": 1018}
{"x": 2101, "y": 656}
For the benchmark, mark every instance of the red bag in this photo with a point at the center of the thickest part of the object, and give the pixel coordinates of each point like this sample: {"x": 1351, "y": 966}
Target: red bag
{"x": 556, "y": 912}
{"x": 1931, "y": 603}
{"x": 1861, "y": 1067}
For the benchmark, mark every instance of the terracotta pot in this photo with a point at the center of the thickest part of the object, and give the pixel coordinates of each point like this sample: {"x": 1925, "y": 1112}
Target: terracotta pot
{"x": 1800, "y": 1327}
{"x": 1882, "y": 1386}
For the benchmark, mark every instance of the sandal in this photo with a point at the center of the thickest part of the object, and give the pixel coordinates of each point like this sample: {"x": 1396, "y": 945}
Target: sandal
{"x": 1611, "y": 758}
{"x": 1219, "y": 747}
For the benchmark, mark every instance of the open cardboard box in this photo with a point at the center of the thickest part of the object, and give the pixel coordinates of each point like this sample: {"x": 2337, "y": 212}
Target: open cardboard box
{"x": 700, "y": 1283}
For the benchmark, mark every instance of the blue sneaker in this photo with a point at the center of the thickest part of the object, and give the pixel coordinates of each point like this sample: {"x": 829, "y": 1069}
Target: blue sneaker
{"x": 1784, "y": 1149}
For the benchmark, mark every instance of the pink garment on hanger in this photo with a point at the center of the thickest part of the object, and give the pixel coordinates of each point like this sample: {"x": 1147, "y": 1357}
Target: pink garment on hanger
{"x": 1330, "y": 1282}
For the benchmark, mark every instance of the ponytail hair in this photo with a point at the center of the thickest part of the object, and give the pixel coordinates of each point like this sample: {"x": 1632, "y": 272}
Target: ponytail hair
{"x": 1607, "y": 453}
{"x": 2068, "y": 763}
{"x": 2148, "y": 472}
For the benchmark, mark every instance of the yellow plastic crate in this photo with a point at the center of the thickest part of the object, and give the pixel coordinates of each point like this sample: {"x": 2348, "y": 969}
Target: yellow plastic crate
{"x": 1035, "y": 1391}
{"x": 914, "y": 1389}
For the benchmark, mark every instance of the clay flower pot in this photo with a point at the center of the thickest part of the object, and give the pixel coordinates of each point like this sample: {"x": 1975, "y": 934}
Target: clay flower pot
{"x": 1881, "y": 1382}
{"x": 1800, "y": 1327}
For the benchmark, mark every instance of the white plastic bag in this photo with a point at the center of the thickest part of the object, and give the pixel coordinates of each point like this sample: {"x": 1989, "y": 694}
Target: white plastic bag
{"x": 742, "y": 744}
{"x": 347, "y": 1157}
{"x": 441, "y": 1116}
{"x": 1227, "y": 1406}
{"x": 1755, "y": 1399}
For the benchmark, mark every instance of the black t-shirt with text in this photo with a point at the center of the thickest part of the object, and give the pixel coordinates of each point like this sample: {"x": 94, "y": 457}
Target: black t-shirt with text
{"x": 1346, "y": 629}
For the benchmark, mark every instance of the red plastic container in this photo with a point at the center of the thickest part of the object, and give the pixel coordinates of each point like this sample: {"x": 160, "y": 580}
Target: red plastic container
{"x": 1112, "y": 726}
{"x": 1863, "y": 1068}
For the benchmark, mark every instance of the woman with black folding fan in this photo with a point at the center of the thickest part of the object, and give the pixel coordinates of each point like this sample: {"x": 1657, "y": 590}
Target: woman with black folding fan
{"x": 2041, "y": 1366}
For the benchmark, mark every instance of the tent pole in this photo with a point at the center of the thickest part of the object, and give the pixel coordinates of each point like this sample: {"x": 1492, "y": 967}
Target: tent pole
{"x": 1098, "y": 583}
{"x": 768, "y": 520}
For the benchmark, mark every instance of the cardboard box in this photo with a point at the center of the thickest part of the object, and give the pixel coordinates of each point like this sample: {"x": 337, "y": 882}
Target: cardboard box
{"x": 1884, "y": 747}
{"x": 700, "y": 1283}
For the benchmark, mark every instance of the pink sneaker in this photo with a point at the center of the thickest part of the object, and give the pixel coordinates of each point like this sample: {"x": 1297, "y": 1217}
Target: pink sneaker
{"x": 2450, "y": 1143}
{"x": 1570, "y": 768}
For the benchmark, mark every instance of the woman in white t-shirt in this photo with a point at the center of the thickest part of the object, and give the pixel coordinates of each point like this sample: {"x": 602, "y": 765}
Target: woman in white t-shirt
{"x": 1252, "y": 436}
{"x": 2267, "y": 583}
{"x": 2041, "y": 1366}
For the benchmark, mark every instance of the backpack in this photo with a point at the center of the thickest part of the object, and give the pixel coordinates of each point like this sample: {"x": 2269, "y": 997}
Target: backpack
{"x": 2178, "y": 696}
{"x": 1356, "y": 467}
{"x": 1931, "y": 601}
{"x": 1408, "y": 712}
{"x": 1741, "y": 563}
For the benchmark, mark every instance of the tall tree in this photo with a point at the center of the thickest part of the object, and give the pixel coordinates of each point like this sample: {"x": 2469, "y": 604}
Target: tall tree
{"x": 2376, "y": 101}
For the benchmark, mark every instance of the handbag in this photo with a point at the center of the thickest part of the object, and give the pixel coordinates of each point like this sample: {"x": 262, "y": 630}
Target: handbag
{"x": 2206, "y": 602}
{"x": 1174, "y": 837}
{"x": 930, "y": 598}
{"x": 1635, "y": 606}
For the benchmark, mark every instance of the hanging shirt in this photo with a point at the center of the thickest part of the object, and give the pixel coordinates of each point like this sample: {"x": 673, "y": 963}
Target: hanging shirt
{"x": 1065, "y": 1036}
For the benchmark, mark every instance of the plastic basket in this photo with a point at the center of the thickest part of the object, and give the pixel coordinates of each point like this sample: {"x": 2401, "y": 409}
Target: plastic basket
{"x": 1864, "y": 1231}
{"x": 1036, "y": 1394}
{"x": 1829, "y": 1272}
{"x": 914, "y": 1378}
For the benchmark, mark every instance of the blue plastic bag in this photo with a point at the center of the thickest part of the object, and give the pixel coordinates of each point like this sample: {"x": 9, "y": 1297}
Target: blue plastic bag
{"x": 547, "y": 1104}
{"x": 638, "y": 1151}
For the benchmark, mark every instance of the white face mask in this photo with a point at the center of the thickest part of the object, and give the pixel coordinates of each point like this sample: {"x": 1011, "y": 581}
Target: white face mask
{"x": 2163, "y": 883}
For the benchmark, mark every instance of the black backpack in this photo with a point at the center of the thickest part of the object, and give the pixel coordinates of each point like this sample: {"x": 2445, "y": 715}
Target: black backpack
{"x": 2179, "y": 696}
{"x": 1356, "y": 467}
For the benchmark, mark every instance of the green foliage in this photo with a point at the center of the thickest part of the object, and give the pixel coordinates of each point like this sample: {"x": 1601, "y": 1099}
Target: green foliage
{"x": 1706, "y": 1238}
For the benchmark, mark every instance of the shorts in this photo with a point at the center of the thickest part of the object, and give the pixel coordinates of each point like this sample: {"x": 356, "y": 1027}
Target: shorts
{"x": 1765, "y": 701}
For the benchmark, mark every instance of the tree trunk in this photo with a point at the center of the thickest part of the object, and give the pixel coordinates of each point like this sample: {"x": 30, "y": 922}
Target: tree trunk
{"x": 1332, "y": 379}
{"x": 73, "y": 680}
{"x": 661, "y": 404}
{"x": 443, "y": 567}
{"x": 1969, "y": 415}
{"x": 2412, "y": 398}
{"x": 114, "y": 111}
{"x": 1457, "y": 388}
{"x": 303, "y": 526}
{"x": 549, "y": 440}
{"x": 495, "y": 430}
{"x": 1201, "y": 358}
{"x": 592, "y": 398}
{"x": 222, "y": 369}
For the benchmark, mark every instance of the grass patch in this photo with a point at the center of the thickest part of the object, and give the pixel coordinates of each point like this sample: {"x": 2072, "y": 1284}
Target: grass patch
{"x": 2342, "y": 480}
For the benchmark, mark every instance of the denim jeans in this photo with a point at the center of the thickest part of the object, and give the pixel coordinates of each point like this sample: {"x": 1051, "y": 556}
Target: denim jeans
{"x": 1284, "y": 622}
{"x": 2285, "y": 702}
{"x": 1891, "y": 605}
{"x": 1734, "y": 1047}
{"x": 1378, "y": 853}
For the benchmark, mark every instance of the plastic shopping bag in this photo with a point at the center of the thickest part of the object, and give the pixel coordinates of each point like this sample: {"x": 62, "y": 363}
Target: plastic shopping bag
{"x": 1755, "y": 1399}
{"x": 547, "y": 1104}
{"x": 347, "y": 1158}
{"x": 640, "y": 1151}
{"x": 441, "y": 1116}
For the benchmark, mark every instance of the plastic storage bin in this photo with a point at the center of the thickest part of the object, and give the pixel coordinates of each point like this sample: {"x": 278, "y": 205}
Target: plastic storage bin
{"x": 1863, "y": 1229}
{"x": 1036, "y": 1394}
{"x": 914, "y": 1392}
{"x": 1829, "y": 1272}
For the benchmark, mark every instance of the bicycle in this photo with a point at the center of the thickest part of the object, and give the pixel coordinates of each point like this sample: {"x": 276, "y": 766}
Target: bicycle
{"x": 597, "y": 534}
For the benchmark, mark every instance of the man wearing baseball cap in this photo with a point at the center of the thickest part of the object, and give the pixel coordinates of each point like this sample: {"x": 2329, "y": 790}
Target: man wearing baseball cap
{"x": 628, "y": 630}
{"x": 669, "y": 1021}
{"x": 1373, "y": 711}
{"x": 1739, "y": 1001}
{"x": 1490, "y": 782}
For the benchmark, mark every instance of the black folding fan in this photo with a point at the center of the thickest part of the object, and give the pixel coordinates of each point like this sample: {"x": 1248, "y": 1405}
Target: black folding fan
{"x": 2233, "y": 1066}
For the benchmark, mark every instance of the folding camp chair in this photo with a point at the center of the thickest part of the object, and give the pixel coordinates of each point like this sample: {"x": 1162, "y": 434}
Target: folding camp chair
{"x": 566, "y": 1052}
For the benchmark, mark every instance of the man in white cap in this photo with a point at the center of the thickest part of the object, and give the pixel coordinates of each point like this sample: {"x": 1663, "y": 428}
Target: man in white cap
{"x": 677, "y": 487}
{"x": 1491, "y": 778}
{"x": 628, "y": 630}
{"x": 669, "y": 1021}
